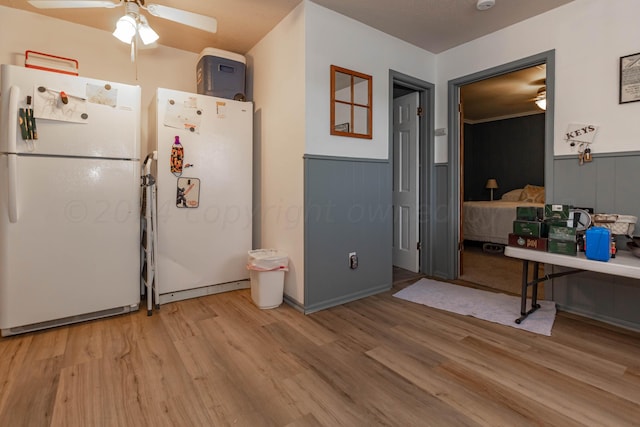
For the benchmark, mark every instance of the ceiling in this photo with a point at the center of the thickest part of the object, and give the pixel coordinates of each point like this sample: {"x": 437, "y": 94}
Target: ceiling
{"x": 508, "y": 95}
{"x": 434, "y": 25}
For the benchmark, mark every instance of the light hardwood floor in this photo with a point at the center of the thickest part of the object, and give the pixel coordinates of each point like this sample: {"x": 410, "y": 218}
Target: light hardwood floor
{"x": 495, "y": 271}
{"x": 220, "y": 361}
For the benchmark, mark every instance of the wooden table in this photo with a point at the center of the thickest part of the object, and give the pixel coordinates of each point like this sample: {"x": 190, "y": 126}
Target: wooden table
{"x": 624, "y": 264}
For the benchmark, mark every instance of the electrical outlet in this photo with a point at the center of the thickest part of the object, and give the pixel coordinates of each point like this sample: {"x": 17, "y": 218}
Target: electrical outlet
{"x": 353, "y": 260}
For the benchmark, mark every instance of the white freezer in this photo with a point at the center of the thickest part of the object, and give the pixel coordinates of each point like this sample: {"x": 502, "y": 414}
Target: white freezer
{"x": 208, "y": 245}
{"x": 74, "y": 248}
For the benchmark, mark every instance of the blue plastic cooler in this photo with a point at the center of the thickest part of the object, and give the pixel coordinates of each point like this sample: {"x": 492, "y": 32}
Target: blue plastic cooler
{"x": 598, "y": 243}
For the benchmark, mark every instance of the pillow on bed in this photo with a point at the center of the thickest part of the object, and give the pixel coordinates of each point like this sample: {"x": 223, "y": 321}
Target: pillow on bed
{"x": 512, "y": 196}
{"x": 532, "y": 193}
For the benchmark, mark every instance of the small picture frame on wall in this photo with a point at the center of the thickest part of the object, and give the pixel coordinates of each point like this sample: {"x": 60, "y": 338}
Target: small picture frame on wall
{"x": 630, "y": 78}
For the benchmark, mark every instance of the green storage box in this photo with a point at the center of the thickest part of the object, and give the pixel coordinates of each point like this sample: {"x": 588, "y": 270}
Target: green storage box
{"x": 559, "y": 222}
{"x": 562, "y": 247}
{"x": 530, "y": 228}
{"x": 556, "y": 211}
{"x": 529, "y": 213}
{"x": 567, "y": 234}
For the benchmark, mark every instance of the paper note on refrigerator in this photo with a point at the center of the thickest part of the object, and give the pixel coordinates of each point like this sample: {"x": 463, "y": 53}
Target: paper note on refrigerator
{"x": 55, "y": 104}
{"x": 102, "y": 94}
{"x": 183, "y": 115}
{"x": 221, "y": 109}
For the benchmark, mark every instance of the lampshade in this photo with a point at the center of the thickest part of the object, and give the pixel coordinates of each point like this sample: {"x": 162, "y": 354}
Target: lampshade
{"x": 125, "y": 29}
{"x": 491, "y": 183}
{"x": 133, "y": 23}
{"x": 147, "y": 35}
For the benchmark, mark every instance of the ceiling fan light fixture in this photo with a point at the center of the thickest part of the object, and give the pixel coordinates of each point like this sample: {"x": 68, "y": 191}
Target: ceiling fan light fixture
{"x": 125, "y": 29}
{"x": 541, "y": 99}
{"x": 147, "y": 35}
{"x": 133, "y": 26}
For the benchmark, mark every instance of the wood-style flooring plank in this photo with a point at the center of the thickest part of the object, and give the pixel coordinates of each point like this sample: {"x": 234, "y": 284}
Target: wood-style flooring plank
{"x": 13, "y": 352}
{"x": 33, "y": 394}
{"x": 602, "y": 340}
{"x": 463, "y": 400}
{"x": 218, "y": 360}
{"x": 532, "y": 411}
{"x": 586, "y": 404}
{"x": 84, "y": 343}
{"x": 307, "y": 420}
{"x": 584, "y": 367}
{"x": 331, "y": 369}
{"x": 48, "y": 344}
{"x": 536, "y": 383}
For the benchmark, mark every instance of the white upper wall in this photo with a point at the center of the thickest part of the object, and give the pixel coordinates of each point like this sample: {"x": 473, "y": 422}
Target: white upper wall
{"x": 589, "y": 37}
{"x": 276, "y": 76}
{"x": 100, "y": 55}
{"x": 289, "y": 71}
{"x": 334, "y": 39}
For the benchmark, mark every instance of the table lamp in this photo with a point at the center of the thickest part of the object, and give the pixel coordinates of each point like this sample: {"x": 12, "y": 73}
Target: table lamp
{"x": 491, "y": 184}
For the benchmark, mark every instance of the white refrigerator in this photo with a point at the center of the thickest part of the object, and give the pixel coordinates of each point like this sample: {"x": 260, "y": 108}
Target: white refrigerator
{"x": 204, "y": 210}
{"x": 69, "y": 199}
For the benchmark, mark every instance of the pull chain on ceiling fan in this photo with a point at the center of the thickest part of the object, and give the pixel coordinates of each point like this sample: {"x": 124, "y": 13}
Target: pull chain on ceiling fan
{"x": 133, "y": 23}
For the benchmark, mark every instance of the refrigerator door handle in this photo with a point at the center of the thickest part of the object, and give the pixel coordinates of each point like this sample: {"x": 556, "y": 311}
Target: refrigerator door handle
{"x": 13, "y": 187}
{"x": 12, "y": 129}
{"x": 12, "y": 157}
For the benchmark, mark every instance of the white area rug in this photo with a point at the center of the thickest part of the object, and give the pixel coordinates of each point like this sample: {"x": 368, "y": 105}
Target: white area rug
{"x": 491, "y": 306}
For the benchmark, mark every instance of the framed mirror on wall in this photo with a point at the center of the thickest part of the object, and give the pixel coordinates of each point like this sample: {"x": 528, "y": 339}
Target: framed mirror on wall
{"x": 351, "y": 109}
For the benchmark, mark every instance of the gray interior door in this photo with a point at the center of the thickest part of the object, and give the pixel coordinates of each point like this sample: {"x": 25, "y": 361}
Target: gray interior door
{"x": 406, "y": 182}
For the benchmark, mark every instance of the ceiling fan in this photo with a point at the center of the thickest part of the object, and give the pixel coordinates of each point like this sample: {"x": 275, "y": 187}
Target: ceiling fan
{"x": 133, "y": 22}
{"x": 541, "y": 96}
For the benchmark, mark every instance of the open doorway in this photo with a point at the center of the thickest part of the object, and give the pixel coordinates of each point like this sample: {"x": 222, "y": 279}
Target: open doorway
{"x": 410, "y": 148}
{"x": 502, "y": 148}
{"x": 495, "y": 155}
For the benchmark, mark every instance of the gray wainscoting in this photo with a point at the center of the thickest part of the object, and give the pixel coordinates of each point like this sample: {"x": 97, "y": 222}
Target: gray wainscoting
{"x": 348, "y": 208}
{"x": 441, "y": 243}
{"x": 609, "y": 184}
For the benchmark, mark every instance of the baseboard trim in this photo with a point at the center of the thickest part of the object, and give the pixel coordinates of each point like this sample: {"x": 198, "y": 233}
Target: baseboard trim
{"x": 635, "y": 327}
{"x": 293, "y": 303}
{"x": 204, "y": 290}
{"x": 345, "y": 299}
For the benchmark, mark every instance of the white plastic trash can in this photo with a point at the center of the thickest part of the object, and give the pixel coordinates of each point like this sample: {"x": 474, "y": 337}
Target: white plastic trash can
{"x": 266, "y": 271}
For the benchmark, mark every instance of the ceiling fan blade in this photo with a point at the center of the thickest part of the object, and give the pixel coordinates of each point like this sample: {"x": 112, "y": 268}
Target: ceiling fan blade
{"x": 191, "y": 19}
{"x": 72, "y": 4}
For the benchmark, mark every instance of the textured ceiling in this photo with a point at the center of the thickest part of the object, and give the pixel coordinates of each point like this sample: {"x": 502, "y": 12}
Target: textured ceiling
{"x": 434, "y": 25}
{"x": 503, "y": 96}
{"x": 438, "y": 25}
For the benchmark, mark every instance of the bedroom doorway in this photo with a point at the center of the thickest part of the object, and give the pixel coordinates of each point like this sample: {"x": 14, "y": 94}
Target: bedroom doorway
{"x": 499, "y": 150}
{"x": 410, "y": 117}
